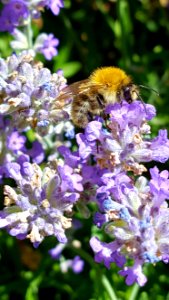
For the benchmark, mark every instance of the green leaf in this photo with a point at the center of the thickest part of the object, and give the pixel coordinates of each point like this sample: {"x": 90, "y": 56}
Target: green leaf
{"x": 71, "y": 68}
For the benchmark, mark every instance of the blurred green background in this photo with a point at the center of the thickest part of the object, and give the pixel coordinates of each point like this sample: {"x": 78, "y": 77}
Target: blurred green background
{"x": 133, "y": 35}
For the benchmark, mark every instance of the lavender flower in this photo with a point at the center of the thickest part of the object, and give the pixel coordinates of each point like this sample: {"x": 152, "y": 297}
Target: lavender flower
{"x": 134, "y": 212}
{"x": 37, "y": 207}
{"x": 15, "y": 142}
{"x": 124, "y": 143}
{"x": 13, "y": 147}
{"x": 36, "y": 152}
{"x": 76, "y": 264}
{"x": 46, "y": 44}
{"x": 13, "y": 15}
{"x": 29, "y": 91}
{"x": 55, "y": 5}
{"x": 16, "y": 12}
{"x": 20, "y": 41}
{"x": 159, "y": 185}
{"x": 134, "y": 274}
{"x": 12, "y": 143}
{"x": 136, "y": 215}
{"x": 56, "y": 252}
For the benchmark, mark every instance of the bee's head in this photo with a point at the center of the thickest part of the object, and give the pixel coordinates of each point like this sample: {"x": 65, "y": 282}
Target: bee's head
{"x": 130, "y": 93}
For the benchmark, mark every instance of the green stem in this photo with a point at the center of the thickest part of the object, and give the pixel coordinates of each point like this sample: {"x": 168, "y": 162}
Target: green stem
{"x": 2, "y": 148}
{"x": 109, "y": 289}
{"x": 126, "y": 38}
{"x": 104, "y": 279}
{"x": 33, "y": 288}
{"x": 29, "y": 33}
{"x": 134, "y": 292}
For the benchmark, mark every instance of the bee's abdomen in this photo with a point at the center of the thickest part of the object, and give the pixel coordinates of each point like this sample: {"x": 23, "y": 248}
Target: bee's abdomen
{"x": 85, "y": 106}
{"x": 80, "y": 109}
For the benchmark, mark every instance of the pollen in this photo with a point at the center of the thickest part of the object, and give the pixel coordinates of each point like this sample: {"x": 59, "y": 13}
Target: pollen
{"x": 111, "y": 77}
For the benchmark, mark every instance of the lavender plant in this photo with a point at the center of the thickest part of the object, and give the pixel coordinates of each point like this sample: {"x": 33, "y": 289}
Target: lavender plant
{"x": 105, "y": 171}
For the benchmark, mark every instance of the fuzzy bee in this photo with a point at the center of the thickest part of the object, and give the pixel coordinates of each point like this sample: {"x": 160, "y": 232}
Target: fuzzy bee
{"x": 106, "y": 85}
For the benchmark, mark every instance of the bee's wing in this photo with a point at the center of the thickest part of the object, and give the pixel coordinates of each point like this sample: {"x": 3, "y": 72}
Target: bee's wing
{"x": 69, "y": 92}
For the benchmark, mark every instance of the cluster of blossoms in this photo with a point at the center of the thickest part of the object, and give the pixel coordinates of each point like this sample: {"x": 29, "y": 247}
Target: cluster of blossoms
{"x": 44, "y": 43}
{"x": 136, "y": 215}
{"x": 132, "y": 210}
{"x": 16, "y": 13}
{"x": 124, "y": 143}
{"x": 13, "y": 148}
{"x": 28, "y": 92}
{"x": 41, "y": 205}
{"x": 106, "y": 169}
{"x": 76, "y": 264}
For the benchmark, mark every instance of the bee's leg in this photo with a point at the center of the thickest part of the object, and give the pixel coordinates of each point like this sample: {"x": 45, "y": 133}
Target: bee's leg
{"x": 97, "y": 146}
{"x": 100, "y": 100}
{"x": 89, "y": 116}
{"x": 105, "y": 117}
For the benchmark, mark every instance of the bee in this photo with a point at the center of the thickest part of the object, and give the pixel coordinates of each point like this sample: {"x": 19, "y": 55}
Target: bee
{"x": 106, "y": 85}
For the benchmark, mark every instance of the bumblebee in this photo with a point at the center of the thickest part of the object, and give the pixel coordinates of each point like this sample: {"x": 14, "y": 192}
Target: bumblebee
{"x": 106, "y": 85}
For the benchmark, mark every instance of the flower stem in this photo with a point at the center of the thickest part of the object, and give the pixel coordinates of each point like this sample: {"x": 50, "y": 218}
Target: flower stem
{"x": 104, "y": 279}
{"x": 109, "y": 288}
{"x": 29, "y": 33}
{"x": 134, "y": 292}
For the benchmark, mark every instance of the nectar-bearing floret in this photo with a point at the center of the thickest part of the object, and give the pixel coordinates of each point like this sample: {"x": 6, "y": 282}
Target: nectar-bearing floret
{"x": 45, "y": 44}
{"x": 13, "y": 147}
{"x": 28, "y": 91}
{"x": 41, "y": 204}
{"x": 132, "y": 210}
{"x": 124, "y": 143}
{"x": 136, "y": 220}
{"x": 17, "y": 12}
{"x": 111, "y": 151}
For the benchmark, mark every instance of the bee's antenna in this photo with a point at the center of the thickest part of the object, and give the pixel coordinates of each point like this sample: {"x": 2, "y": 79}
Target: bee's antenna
{"x": 149, "y": 88}
{"x": 140, "y": 98}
